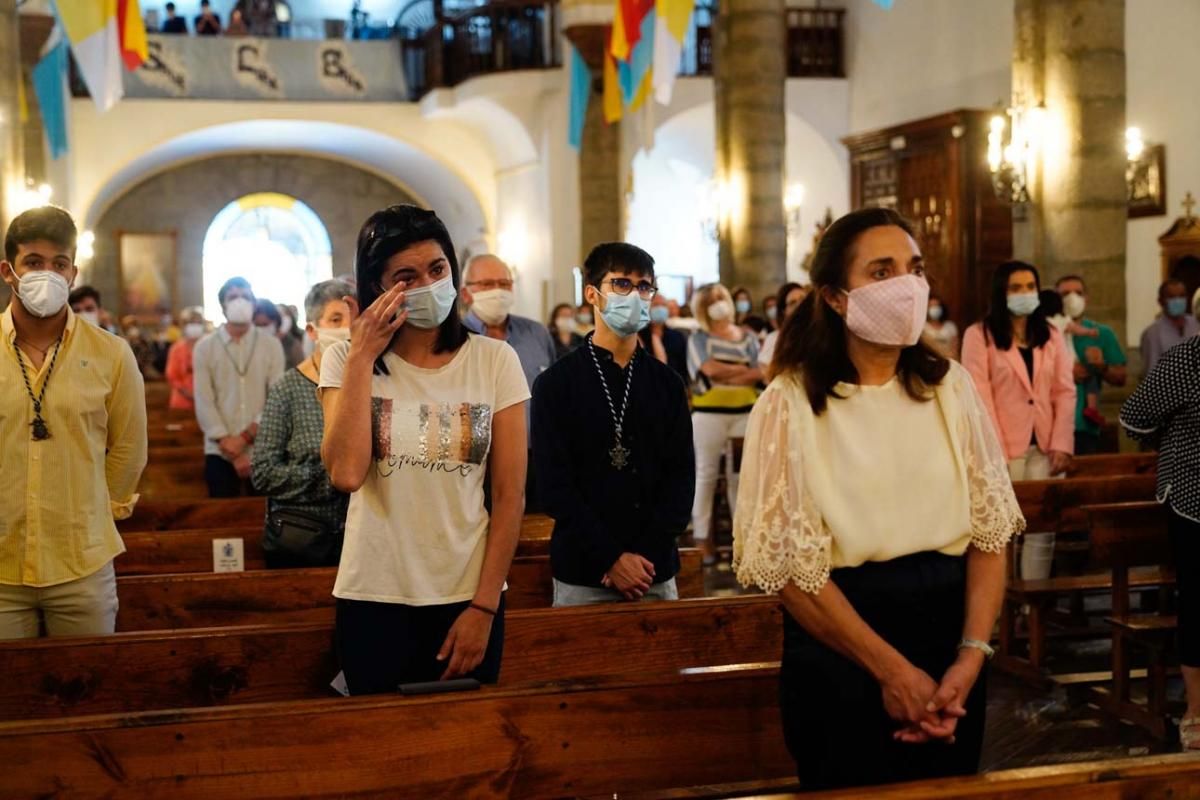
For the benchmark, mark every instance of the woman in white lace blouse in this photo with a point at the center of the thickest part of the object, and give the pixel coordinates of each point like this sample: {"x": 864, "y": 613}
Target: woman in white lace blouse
{"x": 876, "y": 501}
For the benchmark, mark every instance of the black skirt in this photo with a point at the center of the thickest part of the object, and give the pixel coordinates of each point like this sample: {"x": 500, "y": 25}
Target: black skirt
{"x": 834, "y": 721}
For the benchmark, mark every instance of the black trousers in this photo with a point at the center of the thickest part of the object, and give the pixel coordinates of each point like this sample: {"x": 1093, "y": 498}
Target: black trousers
{"x": 835, "y": 725}
{"x": 382, "y": 645}
{"x": 223, "y": 480}
{"x": 1086, "y": 444}
{"x": 1185, "y": 542}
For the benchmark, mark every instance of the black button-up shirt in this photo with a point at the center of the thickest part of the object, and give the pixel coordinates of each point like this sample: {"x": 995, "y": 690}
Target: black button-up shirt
{"x": 599, "y": 511}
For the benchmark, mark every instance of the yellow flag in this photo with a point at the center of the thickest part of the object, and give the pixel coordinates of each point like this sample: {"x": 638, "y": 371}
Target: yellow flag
{"x": 612, "y": 90}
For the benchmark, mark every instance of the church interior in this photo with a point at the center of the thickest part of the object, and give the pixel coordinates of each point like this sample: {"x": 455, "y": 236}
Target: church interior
{"x": 196, "y": 145}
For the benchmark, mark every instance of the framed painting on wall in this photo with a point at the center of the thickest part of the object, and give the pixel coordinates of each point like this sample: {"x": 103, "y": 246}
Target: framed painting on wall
{"x": 146, "y": 274}
{"x": 1146, "y": 178}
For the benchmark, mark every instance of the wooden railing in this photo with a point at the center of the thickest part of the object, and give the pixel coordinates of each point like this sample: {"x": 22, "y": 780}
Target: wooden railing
{"x": 815, "y": 43}
{"x": 501, "y": 36}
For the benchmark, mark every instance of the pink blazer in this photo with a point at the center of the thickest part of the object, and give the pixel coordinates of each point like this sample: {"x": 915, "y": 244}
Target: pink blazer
{"x": 1020, "y": 410}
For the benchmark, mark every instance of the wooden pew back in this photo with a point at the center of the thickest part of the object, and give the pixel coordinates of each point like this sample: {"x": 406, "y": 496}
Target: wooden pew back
{"x": 156, "y": 602}
{"x": 1056, "y": 505}
{"x": 183, "y": 669}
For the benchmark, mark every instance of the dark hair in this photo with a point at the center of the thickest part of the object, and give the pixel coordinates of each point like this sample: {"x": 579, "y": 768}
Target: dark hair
{"x": 813, "y": 339}
{"x": 619, "y": 257}
{"x": 1051, "y": 302}
{"x": 997, "y": 324}
{"x": 270, "y": 310}
{"x": 781, "y": 299}
{"x": 170, "y": 6}
{"x": 233, "y": 283}
{"x": 1066, "y": 278}
{"x": 390, "y": 231}
{"x": 82, "y": 293}
{"x": 1167, "y": 284}
{"x": 46, "y": 223}
{"x": 554, "y": 314}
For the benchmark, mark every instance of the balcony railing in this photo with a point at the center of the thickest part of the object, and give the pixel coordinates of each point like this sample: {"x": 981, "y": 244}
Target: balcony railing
{"x": 815, "y": 43}
{"x": 498, "y": 37}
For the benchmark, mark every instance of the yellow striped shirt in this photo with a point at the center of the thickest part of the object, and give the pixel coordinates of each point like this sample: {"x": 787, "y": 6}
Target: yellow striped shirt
{"x": 62, "y": 494}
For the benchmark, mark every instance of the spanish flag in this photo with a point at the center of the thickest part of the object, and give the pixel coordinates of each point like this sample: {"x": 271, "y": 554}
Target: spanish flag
{"x": 104, "y": 35}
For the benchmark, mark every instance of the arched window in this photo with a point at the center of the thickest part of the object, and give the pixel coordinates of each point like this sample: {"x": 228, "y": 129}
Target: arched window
{"x": 272, "y": 240}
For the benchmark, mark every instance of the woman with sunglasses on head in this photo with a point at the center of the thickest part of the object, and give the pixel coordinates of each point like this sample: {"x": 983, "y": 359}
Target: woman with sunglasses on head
{"x": 416, "y": 411}
{"x": 723, "y": 364}
{"x": 874, "y": 499}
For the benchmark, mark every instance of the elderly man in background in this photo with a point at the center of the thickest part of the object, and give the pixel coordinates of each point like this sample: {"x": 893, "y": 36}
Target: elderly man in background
{"x": 487, "y": 293}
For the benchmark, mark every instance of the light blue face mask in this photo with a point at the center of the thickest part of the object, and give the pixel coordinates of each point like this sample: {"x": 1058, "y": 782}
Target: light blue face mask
{"x": 659, "y": 314}
{"x": 743, "y": 306}
{"x": 1176, "y": 306}
{"x": 627, "y": 314}
{"x": 429, "y": 306}
{"x": 1024, "y": 304}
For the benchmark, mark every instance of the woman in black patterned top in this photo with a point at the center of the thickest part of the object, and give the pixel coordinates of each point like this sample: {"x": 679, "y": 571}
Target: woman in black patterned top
{"x": 1166, "y": 407}
{"x": 306, "y": 516}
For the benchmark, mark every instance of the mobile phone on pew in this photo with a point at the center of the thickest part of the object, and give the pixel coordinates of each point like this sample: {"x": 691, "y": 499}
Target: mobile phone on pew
{"x": 440, "y": 687}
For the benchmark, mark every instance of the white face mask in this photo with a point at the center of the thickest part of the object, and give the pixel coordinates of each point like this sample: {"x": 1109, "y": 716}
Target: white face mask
{"x": 239, "y": 311}
{"x": 193, "y": 330}
{"x": 285, "y": 326}
{"x": 328, "y": 337}
{"x": 493, "y": 305}
{"x": 429, "y": 305}
{"x": 720, "y": 310}
{"x": 270, "y": 329}
{"x": 90, "y": 317}
{"x": 1074, "y": 304}
{"x": 43, "y": 293}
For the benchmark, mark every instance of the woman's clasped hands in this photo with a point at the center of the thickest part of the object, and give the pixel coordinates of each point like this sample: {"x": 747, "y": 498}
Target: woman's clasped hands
{"x": 928, "y": 711}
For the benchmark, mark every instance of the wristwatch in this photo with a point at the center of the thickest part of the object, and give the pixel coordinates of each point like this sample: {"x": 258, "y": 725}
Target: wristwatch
{"x": 975, "y": 644}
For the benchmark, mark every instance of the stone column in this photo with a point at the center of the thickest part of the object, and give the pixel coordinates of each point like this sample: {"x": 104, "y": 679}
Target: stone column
{"x": 12, "y": 169}
{"x": 1070, "y": 55}
{"x": 599, "y": 151}
{"x": 749, "y": 70}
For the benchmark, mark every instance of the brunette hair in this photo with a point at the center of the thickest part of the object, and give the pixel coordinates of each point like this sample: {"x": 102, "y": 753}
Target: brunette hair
{"x": 45, "y": 223}
{"x": 812, "y": 342}
{"x": 997, "y": 325}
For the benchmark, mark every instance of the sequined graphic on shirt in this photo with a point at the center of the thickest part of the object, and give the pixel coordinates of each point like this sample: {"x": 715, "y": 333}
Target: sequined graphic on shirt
{"x": 436, "y": 437}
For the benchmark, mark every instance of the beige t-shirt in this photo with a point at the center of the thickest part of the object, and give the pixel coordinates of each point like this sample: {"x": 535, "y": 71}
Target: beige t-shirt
{"x": 877, "y": 476}
{"x": 416, "y": 530}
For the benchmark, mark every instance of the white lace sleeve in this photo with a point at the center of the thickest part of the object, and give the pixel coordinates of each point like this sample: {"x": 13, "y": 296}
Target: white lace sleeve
{"x": 778, "y": 534}
{"x": 995, "y": 513}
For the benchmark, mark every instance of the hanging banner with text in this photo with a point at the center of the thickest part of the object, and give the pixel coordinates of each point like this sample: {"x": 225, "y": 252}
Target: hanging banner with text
{"x": 242, "y": 68}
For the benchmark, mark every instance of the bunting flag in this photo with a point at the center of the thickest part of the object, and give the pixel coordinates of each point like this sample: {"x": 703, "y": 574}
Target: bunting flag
{"x": 672, "y": 18}
{"x": 612, "y": 90}
{"x": 581, "y": 93}
{"x": 135, "y": 49}
{"x": 886, "y": 5}
{"x": 104, "y": 35}
{"x": 50, "y": 85}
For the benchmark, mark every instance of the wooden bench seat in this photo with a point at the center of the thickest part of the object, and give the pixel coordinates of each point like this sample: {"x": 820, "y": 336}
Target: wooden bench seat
{"x": 215, "y": 666}
{"x": 1136, "y": 624}
{"x": 600, "y": 736}
{"x": 156, "y": 602}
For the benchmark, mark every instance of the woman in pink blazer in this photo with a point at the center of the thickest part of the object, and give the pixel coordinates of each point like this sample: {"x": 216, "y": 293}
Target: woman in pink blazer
{"x": 1023, "y": 370}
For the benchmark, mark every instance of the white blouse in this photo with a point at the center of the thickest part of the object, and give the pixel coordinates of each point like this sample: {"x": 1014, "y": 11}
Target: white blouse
{"x": 875, "y": 477}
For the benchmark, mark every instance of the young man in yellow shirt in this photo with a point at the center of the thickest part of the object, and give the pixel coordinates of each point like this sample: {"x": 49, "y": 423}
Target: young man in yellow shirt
{"x": 73, "y": 438}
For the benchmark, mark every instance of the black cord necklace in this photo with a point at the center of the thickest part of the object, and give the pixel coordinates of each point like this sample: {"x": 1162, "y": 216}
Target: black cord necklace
{"x": 40, "y": 431}
{"x": 619, "y": 454}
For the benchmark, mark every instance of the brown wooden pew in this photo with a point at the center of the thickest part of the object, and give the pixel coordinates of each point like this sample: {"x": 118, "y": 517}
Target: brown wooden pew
{"x": 1147, "y": 778}
{"x": 179, "y": 551}
{"x": 1056, "y": 505}
{"x": 1110, "y": 464}
{"x": 163, "y": 514}
{"x": 1128, "y": 536}
{"x": 155, "y": 602}
{"x": 216, "y": 666}
{"x": 567, "y": 739}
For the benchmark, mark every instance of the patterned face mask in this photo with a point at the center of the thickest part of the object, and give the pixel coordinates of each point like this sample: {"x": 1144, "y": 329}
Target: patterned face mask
{"x": 890, "y": 312}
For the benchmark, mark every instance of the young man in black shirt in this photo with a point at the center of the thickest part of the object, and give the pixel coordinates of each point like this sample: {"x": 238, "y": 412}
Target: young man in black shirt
{"x": 612, "y": 435}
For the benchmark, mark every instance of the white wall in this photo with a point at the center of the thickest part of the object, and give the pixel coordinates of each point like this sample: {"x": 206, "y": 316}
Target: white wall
{"x": 924, "y": 57}
{"x": 1161, "y": 64}
{"x": 669, "y": 199}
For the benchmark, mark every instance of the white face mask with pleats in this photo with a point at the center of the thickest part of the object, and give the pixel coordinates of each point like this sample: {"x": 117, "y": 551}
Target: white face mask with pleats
{"x": 43, "y": 293}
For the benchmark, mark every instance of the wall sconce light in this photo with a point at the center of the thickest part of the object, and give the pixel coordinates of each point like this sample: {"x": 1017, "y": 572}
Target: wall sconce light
{"x": 513, "y": 246}
{"x": 85, "y": 247}
{"x": 793, "y": 200}
{"x": 31, "y": 196}
{"x": 1014, "y": 143}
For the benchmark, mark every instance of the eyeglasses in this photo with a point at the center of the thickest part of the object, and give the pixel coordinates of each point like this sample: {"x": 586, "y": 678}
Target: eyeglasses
{"x": 623, "y": 286}
{"x": 487, "y": 286}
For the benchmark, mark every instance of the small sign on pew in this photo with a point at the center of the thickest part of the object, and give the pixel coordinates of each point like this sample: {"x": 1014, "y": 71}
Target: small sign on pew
{"x": 228, "y": 555}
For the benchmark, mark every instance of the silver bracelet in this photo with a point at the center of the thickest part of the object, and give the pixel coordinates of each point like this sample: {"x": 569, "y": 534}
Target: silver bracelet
{"x": 975, "y": 644}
